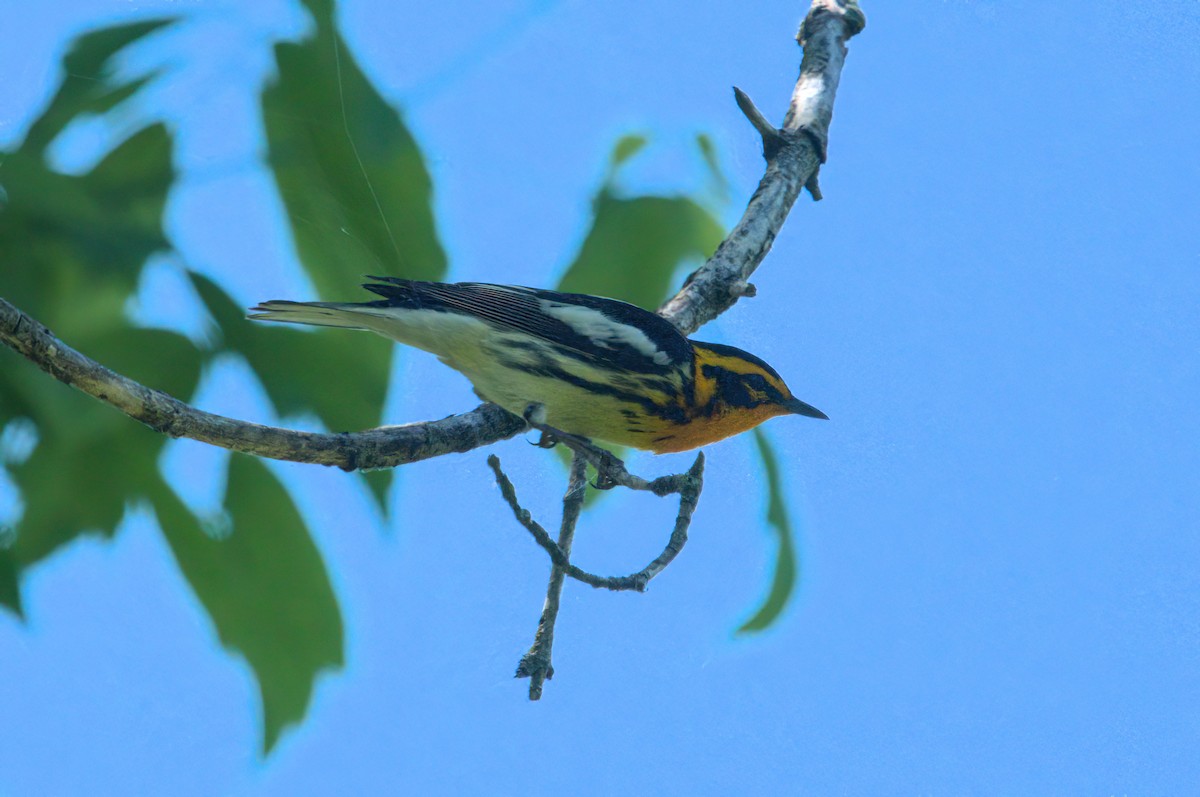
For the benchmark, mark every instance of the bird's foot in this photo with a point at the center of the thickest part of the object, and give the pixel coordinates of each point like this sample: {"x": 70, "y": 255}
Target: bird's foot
{"x": 535, "y": 416}
{"x": 610, "y": 471}
{"x": 546, "y": 440}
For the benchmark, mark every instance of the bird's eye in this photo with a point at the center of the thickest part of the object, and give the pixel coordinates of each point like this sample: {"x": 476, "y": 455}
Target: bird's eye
{"x": 756, "y": 382}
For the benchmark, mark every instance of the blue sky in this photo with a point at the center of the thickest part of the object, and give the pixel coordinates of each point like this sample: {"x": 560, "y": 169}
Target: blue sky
{"x": 996, "y": 304}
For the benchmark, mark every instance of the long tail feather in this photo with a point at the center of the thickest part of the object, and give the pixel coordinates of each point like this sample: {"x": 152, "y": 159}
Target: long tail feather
{"x": 324, "y": 314}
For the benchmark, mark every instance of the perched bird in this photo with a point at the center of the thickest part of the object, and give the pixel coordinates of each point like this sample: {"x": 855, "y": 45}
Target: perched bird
{"x": 583, "y": 365}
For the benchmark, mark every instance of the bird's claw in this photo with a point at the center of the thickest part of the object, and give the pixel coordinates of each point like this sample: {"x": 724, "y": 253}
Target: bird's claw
{"x": 603, "y": 482}
{"x": 605, "y": 469}
{"x": 546, "y": 440}
{"x": 609, "y": 469}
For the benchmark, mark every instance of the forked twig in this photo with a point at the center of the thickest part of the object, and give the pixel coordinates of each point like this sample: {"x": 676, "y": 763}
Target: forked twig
{"x": 536, "y": 664}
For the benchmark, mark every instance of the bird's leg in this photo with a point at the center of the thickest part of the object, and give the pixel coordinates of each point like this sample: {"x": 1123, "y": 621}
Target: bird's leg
{"x": 609, "y": 469}
{"x": 535, "y": 416}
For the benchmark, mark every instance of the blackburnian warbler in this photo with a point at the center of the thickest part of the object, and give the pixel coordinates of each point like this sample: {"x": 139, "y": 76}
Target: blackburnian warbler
{"x": 584, "y": 365}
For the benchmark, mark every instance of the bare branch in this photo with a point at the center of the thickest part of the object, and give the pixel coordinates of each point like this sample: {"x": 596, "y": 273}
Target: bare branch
{"x": 794, "y": 153}
{"x": 384, "y": 447}
{"x": 536, "y": 665}
{"x": 708, "y": 292}
{"x": 686, "y": 485}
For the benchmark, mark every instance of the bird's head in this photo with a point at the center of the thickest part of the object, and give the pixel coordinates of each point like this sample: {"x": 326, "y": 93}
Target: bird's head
{"x": 733, "y": 383}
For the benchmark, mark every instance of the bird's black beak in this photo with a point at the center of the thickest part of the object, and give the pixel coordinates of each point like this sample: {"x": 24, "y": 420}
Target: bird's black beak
{"x": 800, "y": 408}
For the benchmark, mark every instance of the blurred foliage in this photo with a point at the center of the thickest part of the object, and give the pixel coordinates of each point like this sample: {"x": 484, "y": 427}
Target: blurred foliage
{"x": 75, "y": 247}
{"x": 784, "y": 580}
{"x": 86, "y": 87}
{"x": 265, "y": 587}
{"x": 636, "y": 244}
{"x": 358, "y": 198}
{"x": 327, "y": 130}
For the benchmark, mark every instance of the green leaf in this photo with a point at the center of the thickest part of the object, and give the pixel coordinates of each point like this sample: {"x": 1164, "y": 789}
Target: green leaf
{"x": 708, "y": 151}
{"x": 379, "y": 482}
{"x": 157, "y": 358}
{"x": 71, "y": 487}
{"x": 265, "y": 587}
{"x": 321, "y": 9}
{"x": 90, "y": 460}
{"x": 635, "y": 246}
{"x": 129, "y": 187}
{"x": 626, "y": 147}
{"x": 784, "y": 580}
{"x": 337, "y": 374}
{"x": 86, "y": 86}
{"x": 355, "y": 185}
{"x": 359, "y": 200}
{"x": 74, "y": 246}
{"x": 74, "y": 249}
{"x": 10, "y": 588}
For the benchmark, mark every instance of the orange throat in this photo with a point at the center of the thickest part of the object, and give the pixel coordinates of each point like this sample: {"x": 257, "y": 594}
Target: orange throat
{"x": 704, "y": 429}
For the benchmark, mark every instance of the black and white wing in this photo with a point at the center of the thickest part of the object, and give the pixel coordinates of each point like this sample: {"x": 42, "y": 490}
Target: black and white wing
{"x": 605, "y": 331}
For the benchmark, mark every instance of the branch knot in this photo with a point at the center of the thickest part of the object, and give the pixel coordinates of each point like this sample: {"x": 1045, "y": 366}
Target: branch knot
{"x": 845, "y": 10}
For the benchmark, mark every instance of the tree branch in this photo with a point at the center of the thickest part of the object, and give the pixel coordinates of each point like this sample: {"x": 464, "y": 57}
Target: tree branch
{"x": 794, "y": 153}
{"x": 384, "y": 447}
{"x": 792, "y": 163}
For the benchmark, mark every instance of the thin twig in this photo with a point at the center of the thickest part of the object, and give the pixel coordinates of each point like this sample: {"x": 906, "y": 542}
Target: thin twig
{"x": 536, "y": 665}
{"x": 772, "y": 139}
{"x": 524, "y": 517}
{"x": 687, "y": 485}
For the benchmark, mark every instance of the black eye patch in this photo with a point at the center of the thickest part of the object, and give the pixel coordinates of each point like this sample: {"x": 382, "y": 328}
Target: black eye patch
{"x": 735, "y": 388}
{"x": 756, "y": 382}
